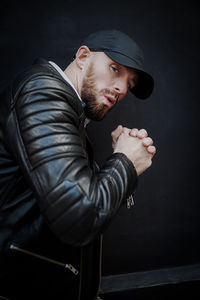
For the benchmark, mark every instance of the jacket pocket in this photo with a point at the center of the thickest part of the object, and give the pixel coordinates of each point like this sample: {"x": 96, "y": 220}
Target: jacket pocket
{"x": 44, "y": 258}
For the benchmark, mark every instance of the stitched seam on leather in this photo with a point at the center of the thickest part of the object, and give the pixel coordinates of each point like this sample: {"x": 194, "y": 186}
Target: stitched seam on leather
{"x": 20, "y": 137}
{"x": 42, "y": 111}
{"x": 50, "y": 134}
{"x": 50, "y": 158}
{"x": 52, "y": 146}
{"x": 45, "y": 123}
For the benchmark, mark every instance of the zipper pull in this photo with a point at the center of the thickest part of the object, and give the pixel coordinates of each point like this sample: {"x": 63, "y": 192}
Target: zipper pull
{"x": 130, "y": 202}
{"x": 71, "y": 268}
{"x": 67, "y": 266}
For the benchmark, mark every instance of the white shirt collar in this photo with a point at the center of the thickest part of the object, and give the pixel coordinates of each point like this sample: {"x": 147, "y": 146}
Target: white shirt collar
{"x": 67, "y": 79}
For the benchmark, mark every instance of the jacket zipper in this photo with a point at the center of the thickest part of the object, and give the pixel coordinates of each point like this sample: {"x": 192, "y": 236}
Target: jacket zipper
{"x": 130, "y": 201}
{"x": 67, "y": 266}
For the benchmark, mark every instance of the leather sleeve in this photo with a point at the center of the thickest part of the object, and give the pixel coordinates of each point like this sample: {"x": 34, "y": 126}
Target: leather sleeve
{"x": 43, "y": 131}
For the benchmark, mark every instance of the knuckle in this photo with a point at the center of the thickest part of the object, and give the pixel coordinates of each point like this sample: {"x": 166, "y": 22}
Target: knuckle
{"x": 143, "y": 132}
{"x": 154, "y": 149}
{"x": 150, "y": 140}
{"x": 126, "y": 130}
{"x": 134, "y": 132}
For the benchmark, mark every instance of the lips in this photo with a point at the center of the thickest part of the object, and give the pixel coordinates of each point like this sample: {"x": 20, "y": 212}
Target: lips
{"x": 111, "y": 101}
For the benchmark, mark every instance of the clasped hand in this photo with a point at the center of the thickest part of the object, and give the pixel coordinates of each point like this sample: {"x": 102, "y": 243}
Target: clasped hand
{"x": 136, "y": 145}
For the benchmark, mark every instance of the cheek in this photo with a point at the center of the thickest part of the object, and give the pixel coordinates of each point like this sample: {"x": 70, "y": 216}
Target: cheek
{"x": 103, "y": 81}
{"x": 102, "y": 76}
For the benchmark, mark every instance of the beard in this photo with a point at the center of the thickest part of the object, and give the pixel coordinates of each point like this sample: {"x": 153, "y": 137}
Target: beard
{"x": 93, "y": 109}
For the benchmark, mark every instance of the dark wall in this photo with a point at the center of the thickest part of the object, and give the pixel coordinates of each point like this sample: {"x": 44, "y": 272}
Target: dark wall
{"x": 163, "y": 227}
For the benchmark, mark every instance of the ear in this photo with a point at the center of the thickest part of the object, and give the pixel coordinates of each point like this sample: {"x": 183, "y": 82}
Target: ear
{"x": 82, "y": 56}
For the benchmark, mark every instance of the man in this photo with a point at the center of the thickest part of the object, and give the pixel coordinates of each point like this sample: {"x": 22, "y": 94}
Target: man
{"x": 55, "y": 201}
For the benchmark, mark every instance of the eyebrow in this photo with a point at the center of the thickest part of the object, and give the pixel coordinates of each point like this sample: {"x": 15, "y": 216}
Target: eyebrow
{"x": 133, "y": 72}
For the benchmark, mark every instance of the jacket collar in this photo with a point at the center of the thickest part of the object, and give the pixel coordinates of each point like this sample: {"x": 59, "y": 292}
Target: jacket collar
{"x": 77, "y": 104}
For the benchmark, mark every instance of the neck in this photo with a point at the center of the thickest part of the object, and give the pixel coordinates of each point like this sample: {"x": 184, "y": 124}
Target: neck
{"x": 74, "y": 77}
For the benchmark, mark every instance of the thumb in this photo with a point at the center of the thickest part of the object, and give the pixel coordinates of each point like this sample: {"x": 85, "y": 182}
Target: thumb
{"x": 116, "y": 133}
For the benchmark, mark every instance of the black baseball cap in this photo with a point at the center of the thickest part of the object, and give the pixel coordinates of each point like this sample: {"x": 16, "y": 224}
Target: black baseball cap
{"x": 123, "y": 50}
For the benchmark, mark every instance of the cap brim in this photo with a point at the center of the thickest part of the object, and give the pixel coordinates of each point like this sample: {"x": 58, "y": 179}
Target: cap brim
{"x": 145, "y": 85}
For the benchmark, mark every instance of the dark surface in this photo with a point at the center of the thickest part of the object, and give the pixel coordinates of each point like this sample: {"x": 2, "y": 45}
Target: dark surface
{"x": 150, "y": 279}
{"x": 162, "y": 230}
{"x": 189, "y": 290}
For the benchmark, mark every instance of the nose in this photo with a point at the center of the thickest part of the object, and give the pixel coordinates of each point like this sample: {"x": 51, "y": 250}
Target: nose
{"x": 121, "y": 87}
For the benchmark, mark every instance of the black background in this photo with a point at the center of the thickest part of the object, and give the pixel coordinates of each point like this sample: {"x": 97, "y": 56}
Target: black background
{"x": 162, "y": 230}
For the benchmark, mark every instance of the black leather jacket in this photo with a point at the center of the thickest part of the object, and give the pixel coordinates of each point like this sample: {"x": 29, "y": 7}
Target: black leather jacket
{"x": 54, "y": 202}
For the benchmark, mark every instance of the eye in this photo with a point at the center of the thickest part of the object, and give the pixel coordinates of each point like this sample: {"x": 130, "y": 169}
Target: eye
{"x": 130, "y": 86}
{"x": 116, "y": 70}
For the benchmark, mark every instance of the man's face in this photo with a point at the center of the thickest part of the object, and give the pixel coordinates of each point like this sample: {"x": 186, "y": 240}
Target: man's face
{"x": 104, "y": 84}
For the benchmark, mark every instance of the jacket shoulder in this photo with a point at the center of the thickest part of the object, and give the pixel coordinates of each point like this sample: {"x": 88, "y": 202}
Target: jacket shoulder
{"x": 41, "y": 75}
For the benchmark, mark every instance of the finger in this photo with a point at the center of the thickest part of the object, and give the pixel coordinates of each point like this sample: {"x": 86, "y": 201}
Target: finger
{"x": 116, "y": 133}
{"x": 126, "y": 130}
{"x": 151, "y": 149}
{"x": 142, "y": 133}
{"x": 147, "y": 141}
{"x": 134, "y": 132}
